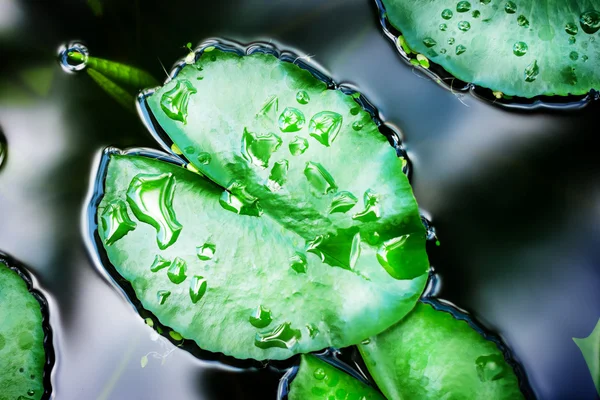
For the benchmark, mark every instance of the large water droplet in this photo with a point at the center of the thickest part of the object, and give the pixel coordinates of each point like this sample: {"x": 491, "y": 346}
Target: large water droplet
{"x": 258, "y": 147}
{"x": 490, "y": 367}
{"x": 590, "y": 21}
{"x": 447, "y": 14}
{"x": 278, "y": 175}
{"x": 261, "y": 317}
{"x": 464, "y": 26}
{"x": 177, "y": 271}
{"x": 206, "y": 251}
{"x": 371, "y": 211}
{"x": 151, "y": 200}
{"x": 198, "y": 287}
{"x": 291, "y": 120}
{"x": 204, "y": 158}
{"x": 283, "y": 336}
{"x": 510, "y": 7}
{"x": 571, "y": 28}
{"x": 463, "y": 6}
{"x": 319, "y": 178}
{"x": 302, "y": 97}
{"x": 162, "y": 296}
{"x": 397, "y": 256}
{"x": 175, "y": 101}
{"x": 460, "y": 49}
{"x": 236, "y": 199}
{"x": 319, "y": 374}
{"x": 430, "y": 42}
{"x": 270, "y": 108}
{"x": 342, "y": 202}
{"x": 523, "y": 21}
{"x": 532, "y": 71}
{"x": 298, "y": 146}
{"x": 520, "y": 49}
{"x": 325, "y": 126}
{"x": 159, "y": 263}
{"x": 73, "y": 57}
{"x": 116, "y": 222}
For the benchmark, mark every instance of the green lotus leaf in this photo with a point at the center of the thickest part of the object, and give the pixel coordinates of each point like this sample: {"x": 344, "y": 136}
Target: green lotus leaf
{"x": 317, "y": 379}
{"x": 22, "y": 354}
{"x": 432, "y": 355}
{"x": 590, "y": 348}
{"x": 522, "y": 48}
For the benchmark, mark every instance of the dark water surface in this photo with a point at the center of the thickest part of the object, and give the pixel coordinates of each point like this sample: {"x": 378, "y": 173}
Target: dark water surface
{"x": 515, "y": 197}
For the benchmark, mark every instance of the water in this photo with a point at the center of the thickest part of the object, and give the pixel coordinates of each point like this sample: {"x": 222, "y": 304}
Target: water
{"x": 513, "y": 195}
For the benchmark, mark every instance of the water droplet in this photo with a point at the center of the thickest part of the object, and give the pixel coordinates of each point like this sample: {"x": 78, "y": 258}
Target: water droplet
{"x": 476, "y": 14}
{"x": 460, "y": 49}
{"x": 319, "y": 178}
{"x": 177, "y": 271}
{"x": 357, "y": 125}
{"x": 546, "y": 33}
{"x": 190, "y": 150}
{"x": 443, "y": 51}
{"x": 159, "y": 263}
{"x": 175, "y": 335}
{"x": 206, "y": 251}
{"x": 116, "y": 222}
{"x": 510, "y": 7}
{"x": 572, "y": 40}
{"x": 590, "y": 21}
{"x": 532, "y": 71}
{"x": 302, "y": 97}
{"x": 447, "y": 13}
{"x": 574, "y": 55}
{"x": 485, "y": 1}
{"x": 463, "y": 6}
{"x": 354, "y": 250}
{"x": 520, "y": 49}
{"x": 162, "y": 296}
{"x": 258, "y": 147}
{"x": 3, "y": 148}
{"x": 571, "y": 28}
{"x": 490, "y": 367}
{"x": 429, "y": 42}
{"x": 73, "y": 57}
{"x": 261, "y": 317}
{"x": 30, "y": 392}
{"x": 319, "y": 374}
{"x": 270, "y": 108}
{"x": 298, "y": 263}
{"x": 278, "y": 175}
{"x": 355, "y": 110}
{"x": 197, "y": 288}
{"x": 366, "y": 341}
{"x": 394, "y": 253}
{"x": 523, "y": 21}
{"x": 236, "y": 199}
{"x": 175, "y": 101}
{"x": 325, "y": 126}
{"x": 175, "y": 149}
{"x": 291, "y": 120}
{"x": 204, "y": 158}
{"x": 151, "y": 200}
{"x": 371, "y": 211}
{"x": 313, "y": 331}
{"x": 283, "y": 336}
{"x": 298, "y": 146}
{"x": 451, "y": 41}
{"x": 464, "y": 26}
{"x": 342, "y": 202}
{"x": 443, "y": 27}
{"x": 584, "y": 58}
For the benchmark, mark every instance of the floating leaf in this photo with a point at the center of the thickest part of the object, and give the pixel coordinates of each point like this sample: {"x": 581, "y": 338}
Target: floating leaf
{"x": 432, "y": 355}
{"x": 590, "y": 348}
{"x": 520, "y": 48}
{"x": 317, "y": 379}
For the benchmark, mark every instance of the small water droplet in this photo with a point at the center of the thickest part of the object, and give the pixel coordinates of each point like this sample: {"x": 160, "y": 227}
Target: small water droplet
{"x": 298, "y": 146}
{"x": 464, "y": 26}
{"x": 572, "y": 40}
{"x": 204, "y": 158}
{"x": 282, "y": 336}
{"x": 523, "y": 21}
{"x": 366, "y": 341}
{"x": 463, "y": 6}
{"x": 447, "y": 14}
{"x": 236, "y": 199}
{"x": 298, "y": 263}
{"x": 584, "y": 58}
{"x": 532, "y": 71}
{"x": 571, "y": 28}
{"x": 590, "y": 21}
{"x": 30, "y": 392}
{"x": 460, "y": 49}
{"x": 190, "y": 150}
{"x": 278, "y": 175}
{"x": 177, "y": 271}
{"x": 485, "y": 1}
{"x": 354, "y": 250}
{"x": 476, "y": 14}
{"x": 574, "y": 55}
{"x": 302, "y": 97}
{"x": 443, "y": 51}
{"x": 174, "y": 102}
{"x": 206, "y": 251}
{"x": 371, "y": 211}
{"x": 291, "y": 120}
{"x": 151, "y": 200}
{"x": 430, "y": 42}
{"x": 520, "y": 49}
{"x": 258, "y": 147}
{"x": 313, "y": 331}
{"x": 270, "y": 108}
{"x": 162, "y": 296}
{"x": 451, "y": 41}
{"x": 319, "y": 178}
{"x": 159, "y": 263}
{"x": 393, "y": 253}
{"x": 73, "y": 57}
{"x": 443, "y": 27}
{"x": 490, "y": 367}
{"x": 325, "y": 126}
{"x": 355, "y": 110}
{"x": 342, "y": 202}
{"x": 319, "y": 374}
{"x": 510, "y": 7}
{"x": 197, "y": 288}
{"x": 261, "y": 317}
{"x": 116, "y": 222}
{"x": 357, "y": 125}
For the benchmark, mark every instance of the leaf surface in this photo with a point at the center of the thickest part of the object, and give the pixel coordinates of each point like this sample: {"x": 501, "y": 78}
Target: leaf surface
{"x": 590, "y": 348}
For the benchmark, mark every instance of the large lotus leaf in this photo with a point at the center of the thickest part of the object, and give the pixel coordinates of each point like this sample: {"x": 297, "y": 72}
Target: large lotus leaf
{"x": 22, "y": 354}
{"x": 432, "y": 355}
{"x": 317, "y": 379}
{"x": 244, "y": 285}
{"x": 590, "y": 348}
{"x": 524, "y": 48}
